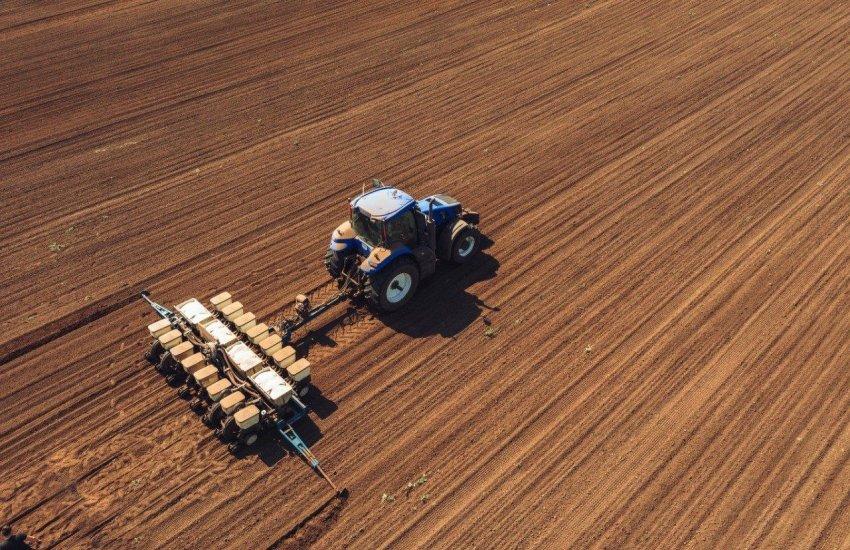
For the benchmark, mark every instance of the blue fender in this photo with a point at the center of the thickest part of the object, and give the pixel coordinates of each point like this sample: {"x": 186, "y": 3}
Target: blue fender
{"x": 379, "y": 258}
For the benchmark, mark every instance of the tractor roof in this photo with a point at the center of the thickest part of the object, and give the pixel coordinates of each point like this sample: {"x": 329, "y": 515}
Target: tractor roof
{"x": 383, "y": 203}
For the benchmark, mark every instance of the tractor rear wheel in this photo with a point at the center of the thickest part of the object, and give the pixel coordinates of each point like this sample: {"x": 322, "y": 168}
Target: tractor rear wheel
{"x": 391, "y": 288}
{"x": 466, "y": 244}
{"x": 334, "y": 263}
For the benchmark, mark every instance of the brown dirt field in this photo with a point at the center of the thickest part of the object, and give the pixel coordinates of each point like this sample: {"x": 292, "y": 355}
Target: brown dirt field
{"x": 667, "y": 189}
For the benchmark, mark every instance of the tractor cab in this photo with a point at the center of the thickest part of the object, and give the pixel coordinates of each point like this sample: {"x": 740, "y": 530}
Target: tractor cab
{"x": 391, "y": 241}
{"x": 385, "y": 216}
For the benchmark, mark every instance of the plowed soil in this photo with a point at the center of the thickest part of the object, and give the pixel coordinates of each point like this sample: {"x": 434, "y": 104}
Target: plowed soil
{"x": 667, "y": 190}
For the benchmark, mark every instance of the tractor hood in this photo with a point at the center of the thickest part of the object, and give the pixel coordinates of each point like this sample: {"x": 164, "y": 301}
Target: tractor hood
{"x": 383, "y": 203}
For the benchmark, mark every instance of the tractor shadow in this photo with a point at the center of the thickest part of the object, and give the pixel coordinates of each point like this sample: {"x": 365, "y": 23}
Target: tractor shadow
{"x": 442, "y": 304}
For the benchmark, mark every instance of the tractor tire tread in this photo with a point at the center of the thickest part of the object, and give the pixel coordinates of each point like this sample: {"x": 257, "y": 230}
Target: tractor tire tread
{"x": 375, "y": 283}
{"x": 333, "y": 263}
{"x": 467, "y": 230}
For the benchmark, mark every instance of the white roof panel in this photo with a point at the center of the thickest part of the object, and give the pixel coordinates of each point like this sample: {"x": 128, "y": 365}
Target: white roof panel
{"x": 382, "y": 203}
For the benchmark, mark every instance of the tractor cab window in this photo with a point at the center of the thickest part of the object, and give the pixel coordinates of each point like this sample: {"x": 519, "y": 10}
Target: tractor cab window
{"x": 402, "y": 229}
{"x": 368, "y": 229}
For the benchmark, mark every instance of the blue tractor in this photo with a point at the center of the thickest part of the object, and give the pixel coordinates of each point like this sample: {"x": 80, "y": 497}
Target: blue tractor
{"x": 392, "y": 242}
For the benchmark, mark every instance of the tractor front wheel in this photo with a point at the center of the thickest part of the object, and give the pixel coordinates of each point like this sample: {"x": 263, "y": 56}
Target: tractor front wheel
{"x": 466, "y": 244}
{"x": 391, "y": 288}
